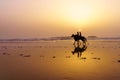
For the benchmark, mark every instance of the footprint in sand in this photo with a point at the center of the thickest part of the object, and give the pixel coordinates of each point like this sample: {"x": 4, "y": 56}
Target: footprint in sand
{"x": 27, "y": 56}
{"x": 21, "y": 54}
{"x": 68, "y": 56}
{"x": 54, "y": 57}
{"x": 4, "y": 53}
{"x": 83, "y": 58}
{"x": 118, "y": 61}
{"x": 96, "y": 58}
{"x": 92, "y": 53}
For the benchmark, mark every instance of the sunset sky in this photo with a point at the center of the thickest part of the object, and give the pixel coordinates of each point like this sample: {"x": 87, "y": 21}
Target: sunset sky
{"x": 48, "y": 18}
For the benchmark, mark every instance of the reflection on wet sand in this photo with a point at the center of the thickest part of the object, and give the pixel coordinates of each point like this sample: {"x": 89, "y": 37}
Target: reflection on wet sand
{"x": 78, "y": 49}
{"x": 54, "y": 61}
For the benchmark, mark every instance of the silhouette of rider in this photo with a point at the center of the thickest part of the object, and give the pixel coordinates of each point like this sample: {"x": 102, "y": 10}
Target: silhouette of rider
{"x": 79, "y": 34}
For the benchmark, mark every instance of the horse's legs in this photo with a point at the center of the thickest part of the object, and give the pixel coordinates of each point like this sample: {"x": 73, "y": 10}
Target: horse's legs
{"x": 78, "y": 55}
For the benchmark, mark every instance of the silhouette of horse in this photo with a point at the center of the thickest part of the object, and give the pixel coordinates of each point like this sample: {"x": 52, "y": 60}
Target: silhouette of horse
{"x": 79, "y": 50}
{"x": 77, "y": 38}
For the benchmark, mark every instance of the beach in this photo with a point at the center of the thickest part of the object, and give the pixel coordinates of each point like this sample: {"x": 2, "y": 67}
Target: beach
{"x": 54, "y": 60}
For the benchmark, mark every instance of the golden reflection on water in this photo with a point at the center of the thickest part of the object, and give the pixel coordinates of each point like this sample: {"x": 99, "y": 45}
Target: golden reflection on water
{"x": 59, "y": 60}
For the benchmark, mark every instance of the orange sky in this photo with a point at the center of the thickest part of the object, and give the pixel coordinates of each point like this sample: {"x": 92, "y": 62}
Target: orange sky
{"x": 46, "y": 18}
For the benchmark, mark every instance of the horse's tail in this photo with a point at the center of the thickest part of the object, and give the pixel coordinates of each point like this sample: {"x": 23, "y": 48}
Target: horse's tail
{"x": 83, "y": 39}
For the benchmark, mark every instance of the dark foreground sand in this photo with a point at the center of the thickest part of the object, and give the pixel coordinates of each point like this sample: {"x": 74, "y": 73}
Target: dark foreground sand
{"x": 54, "y": 60}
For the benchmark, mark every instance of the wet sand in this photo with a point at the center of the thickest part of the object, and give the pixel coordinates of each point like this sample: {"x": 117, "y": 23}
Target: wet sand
{"x": 54, "y": 60}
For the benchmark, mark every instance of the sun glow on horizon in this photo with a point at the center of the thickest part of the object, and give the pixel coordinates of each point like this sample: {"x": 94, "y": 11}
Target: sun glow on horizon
{"x": 44, "y": 18}
{"x": 78, "y": 15}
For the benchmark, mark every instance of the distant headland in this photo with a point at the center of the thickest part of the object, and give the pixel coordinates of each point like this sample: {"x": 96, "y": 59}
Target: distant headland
{"x": 60, "y": 38}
